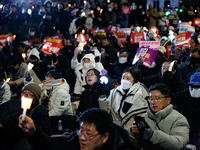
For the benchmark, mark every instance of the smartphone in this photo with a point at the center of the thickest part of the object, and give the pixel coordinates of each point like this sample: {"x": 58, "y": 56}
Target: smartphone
{"x": 140, "y": 122}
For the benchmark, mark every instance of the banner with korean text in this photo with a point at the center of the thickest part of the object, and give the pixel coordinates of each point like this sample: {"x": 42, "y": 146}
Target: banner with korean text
{"x": 121, "y": 37}
{"x": 137, "y": 37}
{"x": 126, "y": 10}
{"x": 183, "y": 39}
{"x": 150, "y": 44}
{"x": 52, "y": 45}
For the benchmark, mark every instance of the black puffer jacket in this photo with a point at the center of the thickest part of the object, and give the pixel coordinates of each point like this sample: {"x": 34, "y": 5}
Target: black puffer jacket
{"x": 10, "y": 111}
{"x": 119, "y": 140}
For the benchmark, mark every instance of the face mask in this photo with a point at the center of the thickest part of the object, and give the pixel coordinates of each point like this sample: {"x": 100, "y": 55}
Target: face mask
{"x": 126, "y": 84}
{"x": 122, "y": 60}
{"x": 31, "y": 33}
{"x": 109, "y": 9}
{"x": 143, "y": 12}
{"x": 86, "y": 65}
{"x": 193, "y": 60}
{"x": 153, "y": 65}
{"x": 140, "y": 7}
{"x": 194, "y": 92}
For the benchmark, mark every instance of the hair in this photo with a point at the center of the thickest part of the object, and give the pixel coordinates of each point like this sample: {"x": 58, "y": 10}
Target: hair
{"x": 56, "y": 74}
{"x": 99, "y": 117}
{"x": 134, "y": 72}
{"x": 197, "y": 49}
{"x": 163, "y": 88}
{"x": 106, "y": 38}
{"x": 27, "y": 48}
{"x": 22, "y": 45}
{"x": 96, "y": 72}
{"x": 13, "y": 60}
{"x": 195, "y": 40}
{"x": 124, "y": 50}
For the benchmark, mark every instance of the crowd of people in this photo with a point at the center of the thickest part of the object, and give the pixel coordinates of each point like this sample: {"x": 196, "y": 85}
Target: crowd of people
{"x": 103, "y": 98}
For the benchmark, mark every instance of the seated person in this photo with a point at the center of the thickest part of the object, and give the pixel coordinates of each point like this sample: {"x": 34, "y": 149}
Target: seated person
{"x": 126, "y": 100}
{"x": 164, "y": 128}
{"x": 10, "y": 135}
{"x": 172, "y": 77}
{"x": 87, "y": 62}
{"x": 96, "y": 132}
{"x": 56, "y": 90}
{"x": 123, "y": 62}
{"x": 93, "y": 88}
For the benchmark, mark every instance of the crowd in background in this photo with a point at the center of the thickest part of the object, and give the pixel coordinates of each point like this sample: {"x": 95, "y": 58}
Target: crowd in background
{"x": 101, "y": 74}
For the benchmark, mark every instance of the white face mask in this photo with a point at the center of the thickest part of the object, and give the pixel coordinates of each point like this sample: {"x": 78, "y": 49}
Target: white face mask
{"x": 126, "y": 84}
{"x": 86, "y": 65}
{"x": 122, "y": 60}
{"x": 143, "y": 12}
{"x": 153, "y": 65}
{"x": 194, "y": 92}
{"x": 109, "y": 9}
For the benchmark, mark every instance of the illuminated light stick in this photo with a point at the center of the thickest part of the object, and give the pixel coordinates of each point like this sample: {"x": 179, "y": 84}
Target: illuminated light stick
{"x": 5, "y": 75}
{"x": 5, "y": 83}
{"x": 30, "y": 66}
{"x": 101, "y": 11}
{"x": 69, "y": 5}
{"x": 25, "y": 104}
{"x": 23, "y": 56}
{"x": 92, "y": 11}
{"x": 84, "y": 1}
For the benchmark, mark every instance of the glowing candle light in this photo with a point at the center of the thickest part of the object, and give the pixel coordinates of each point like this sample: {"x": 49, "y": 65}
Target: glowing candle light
{"x": 25, "y": 104}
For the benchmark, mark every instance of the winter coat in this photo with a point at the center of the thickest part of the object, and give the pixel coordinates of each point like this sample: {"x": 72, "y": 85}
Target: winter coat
{"x": 7, "y": 93}
{"x": 110, "y": 50}
{"x": 14, "y": 21}
{"x": 119, "y": 68}
{"x": 175, "y": 84}
{"x": 110, "y": 16}
{"x": 118, "y": 140}
{"x": 153, "y": 15}
{"x": 80, "y": 71}
{"x": 10, "y": 111}
{"x": 171, "y": 129}
{"x": 19, "y": 75}
{"x": 123, "y": 106}
{"x": 59, "y": 98}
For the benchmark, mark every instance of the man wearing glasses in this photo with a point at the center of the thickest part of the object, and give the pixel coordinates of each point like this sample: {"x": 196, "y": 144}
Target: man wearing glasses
{"x": 163, "y": 127}
{"x": 96, "y": 132}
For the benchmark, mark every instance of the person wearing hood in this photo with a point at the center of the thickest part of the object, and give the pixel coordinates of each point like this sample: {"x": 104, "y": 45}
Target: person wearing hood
{"x": 62, "y": 19}
{"x": 126, "y": 100}
{"x": 123, "y": 62}
{"x": 56, "y": 90}
{"x": 87, "y": 62}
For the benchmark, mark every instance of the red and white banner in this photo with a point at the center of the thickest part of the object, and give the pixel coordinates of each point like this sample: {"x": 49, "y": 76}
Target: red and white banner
{"x": 121, "y": 37}
{"x": 5, "y": 37}
{"x": 127, "y": 31}
{"x": 137, "y": 37}
{"x": 52, "y": 45}
{"x": 150, "y": 44}
{"x": 80, "y": 38}
{"x": 186, "y": 28}
{"x": 92, "y": 31}
{"x": 126, "y": 10}
{"x": 154, "y": 30}
{"x": 101, "y": 32}
{"x": 183, "y": 39}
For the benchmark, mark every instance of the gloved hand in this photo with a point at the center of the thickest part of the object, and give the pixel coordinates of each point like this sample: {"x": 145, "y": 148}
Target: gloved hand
{"x": 27, "y": 75}
{"x": 101, "y": 89}
{"x": 147, "y": 134}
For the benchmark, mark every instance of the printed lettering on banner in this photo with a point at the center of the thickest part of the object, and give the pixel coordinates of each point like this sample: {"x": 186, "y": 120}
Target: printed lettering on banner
{"x": 150, "y": 44}
{"x": 52, "y": 45}
{"x": 127, "y": 31}
{"x": 80, "y": 38}
{"x": 186, "y": 28}
{"x": 183, "y": 39}
{"x": 137, "y": 37}
{"x": 92, "y": 31}
{"x": 112, "y": 29}
{"x": 121, "y": 37}
{"x": 101, "y": 32}
{"x": 5, "y": 37}
{"x": 126, "y": 10}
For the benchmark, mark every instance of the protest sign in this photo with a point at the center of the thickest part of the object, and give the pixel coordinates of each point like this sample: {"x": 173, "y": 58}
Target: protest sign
{"x": 112, "y": 29}
{"x": 4, "y": 38}
{"x": 126, "y": 10}
{"x": 146, "y": 54}
{"x": 52, "y": 45}
{"x": 121, "y": 37}
{"x": 196, "y": 21}
{"x": 183, "y": 39}
{"x": 101, "y": 32}
{"x": 127, "y": 31}
{"x": 92, "y": 31}
{"x": 150, "y": 44}
{"x": 186, "y": 28}
{"x": 154, "y": 30}
{"x": 28, "y": 42}
{"x": 137, "y": 37}
{"x": 80, "y": 38}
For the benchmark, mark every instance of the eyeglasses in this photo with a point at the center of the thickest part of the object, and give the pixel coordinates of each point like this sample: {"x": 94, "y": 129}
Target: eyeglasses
{"x": 156, "y": 98}
{"x": 90, "y": 75}
{"x": 27, "y": 94}
{"x": 86, "y": 135}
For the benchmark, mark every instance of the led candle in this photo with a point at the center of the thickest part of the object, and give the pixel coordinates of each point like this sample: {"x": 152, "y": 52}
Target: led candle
{"x": 25, "y": 104}
{"x": 30, "y": 66}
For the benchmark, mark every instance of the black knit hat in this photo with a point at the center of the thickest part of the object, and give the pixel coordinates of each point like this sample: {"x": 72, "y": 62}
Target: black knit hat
{"x": 34, "y": 88}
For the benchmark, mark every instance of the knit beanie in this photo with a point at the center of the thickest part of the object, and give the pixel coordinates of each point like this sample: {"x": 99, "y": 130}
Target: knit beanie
{"x": 34, "y": 88}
